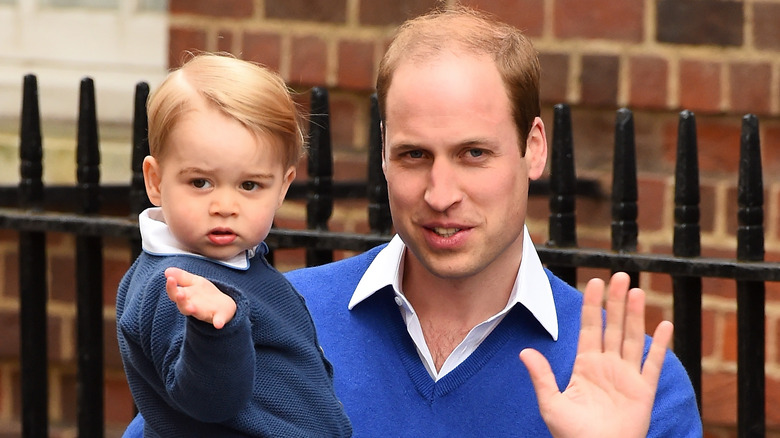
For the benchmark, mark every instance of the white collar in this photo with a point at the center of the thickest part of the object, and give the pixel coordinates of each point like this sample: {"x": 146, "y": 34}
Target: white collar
{"x": 157, "y": 239}
{"x": 531, "y": 289}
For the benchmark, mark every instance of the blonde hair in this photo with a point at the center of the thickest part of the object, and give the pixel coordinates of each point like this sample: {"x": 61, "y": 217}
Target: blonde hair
{"x": 463, "y": 29}
{"x": 249, "y": 93}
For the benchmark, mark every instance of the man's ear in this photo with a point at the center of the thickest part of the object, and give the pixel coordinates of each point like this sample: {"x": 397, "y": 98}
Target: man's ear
{"x": 152, "y": 177}
{"x": 289, "y": 177}
{"x": 536, "y": 149}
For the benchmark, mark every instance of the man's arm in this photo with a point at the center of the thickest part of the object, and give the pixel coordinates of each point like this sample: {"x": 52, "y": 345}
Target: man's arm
{"x": 611, "y": 393}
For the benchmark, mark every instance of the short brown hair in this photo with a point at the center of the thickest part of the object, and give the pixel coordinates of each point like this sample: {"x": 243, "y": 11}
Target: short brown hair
{"x": 249, "y": 93}
{"x": 471, "y": 31}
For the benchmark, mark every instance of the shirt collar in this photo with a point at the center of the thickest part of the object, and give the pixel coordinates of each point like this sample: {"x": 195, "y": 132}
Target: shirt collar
{"x": 531, "y": 288}
{"x": 157, "y": 239}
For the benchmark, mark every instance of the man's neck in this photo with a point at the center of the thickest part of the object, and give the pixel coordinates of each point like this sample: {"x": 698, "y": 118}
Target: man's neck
{"x": 449, "y": 308}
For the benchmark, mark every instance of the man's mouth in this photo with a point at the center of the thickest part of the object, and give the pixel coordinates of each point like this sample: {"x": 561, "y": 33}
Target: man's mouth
{"x": 445, "y": 232}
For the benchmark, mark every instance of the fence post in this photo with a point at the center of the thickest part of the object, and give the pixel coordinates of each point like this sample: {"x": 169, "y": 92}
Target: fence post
{"x": 319, "y": 203}
{"x": 32, "y": 262}
{"x": 624, "y": 189}
{"x": 687, "y": 243}
{"x": 379, "y": 219}
{"x": 750, "y": 294}
{"x": 138, "y": 199}
{"x": 563, "y": 190}
{"x": 89, "y": 272}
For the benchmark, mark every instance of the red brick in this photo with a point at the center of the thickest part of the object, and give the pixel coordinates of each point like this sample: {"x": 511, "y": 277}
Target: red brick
{"x": 706, "y": 207}
{"x": 330, "y": 11}
{"x": 527, "y": 15}
{"x": 113, "y": 271}
{"x": 118, "y": 401}
{"x": 719, "y": 397}
{"x": 766, "y": 32}
{"x": 383, "y": 12}
{"x": 9, "y": 327}
{"x": 696, "y": 22}
{"x": 225, "y": 41}
{"x": 599, "y": 19}
{"x": 718, "y": 141}
{"x": 182, "y": 41}
{"x": 749, "y": 86}
{"x": 700, "y": 85}
{"x": 210, "y": 8}
{"x": 652, "y": 194}
{"x": 772, "y": 392}
{"x": 356, "y": 65}
{"x": 770, "y": 148}
{"x": 309, "y": 61}
{"x": 11, "y": 275}
{"x": 729, "y": 338}
{"x": 350, "y": 167}
{"x": 344, "y": 114}
{"x": 262, "y": 47}
{"x": 708, "y": 335}
{"x": 648, "y": 82}
{"x": 554, "y": 83}
{"x": 63, "y": 278}
{"x": 599, "y": 80}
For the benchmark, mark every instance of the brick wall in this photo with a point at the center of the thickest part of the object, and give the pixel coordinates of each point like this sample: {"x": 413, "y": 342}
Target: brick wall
{"x": 720, "y": 59}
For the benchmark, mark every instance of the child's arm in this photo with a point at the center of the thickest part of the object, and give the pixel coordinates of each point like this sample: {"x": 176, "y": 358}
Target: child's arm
{"x": 195, "y": 296}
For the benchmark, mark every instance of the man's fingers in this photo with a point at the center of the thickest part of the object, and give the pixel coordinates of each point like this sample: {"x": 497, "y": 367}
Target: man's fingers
{"x": 541, "y": 376}
{"x": 634, "y": 336}
{"x": 591, "y": 330}
{"x": 651, "y": 370}
{"x": 616, "y": 312}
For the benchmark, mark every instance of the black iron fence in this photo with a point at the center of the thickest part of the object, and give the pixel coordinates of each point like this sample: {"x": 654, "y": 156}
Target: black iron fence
{"x": 28, "y": 211}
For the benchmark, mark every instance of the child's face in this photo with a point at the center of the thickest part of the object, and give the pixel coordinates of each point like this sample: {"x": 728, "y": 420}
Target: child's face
{"x": 218, "y": 184}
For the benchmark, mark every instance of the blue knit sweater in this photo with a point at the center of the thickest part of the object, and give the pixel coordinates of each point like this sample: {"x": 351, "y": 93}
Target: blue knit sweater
{"x": 263, "y": 374}
{"x": 387, "y": 391}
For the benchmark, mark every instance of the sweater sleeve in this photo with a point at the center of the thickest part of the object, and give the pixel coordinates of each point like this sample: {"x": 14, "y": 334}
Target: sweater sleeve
{"x": 206, "y": 373}
{"x": 675, "y": 412}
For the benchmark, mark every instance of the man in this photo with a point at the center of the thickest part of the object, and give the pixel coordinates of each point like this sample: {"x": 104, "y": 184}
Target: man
{"x": 424, "y": 332}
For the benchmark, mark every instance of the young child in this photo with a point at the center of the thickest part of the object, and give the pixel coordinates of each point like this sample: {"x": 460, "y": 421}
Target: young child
{"x": 243, "y": 360}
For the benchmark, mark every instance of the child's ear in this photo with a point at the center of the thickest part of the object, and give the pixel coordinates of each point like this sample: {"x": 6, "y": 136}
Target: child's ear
{"x": 151, "y": 170}
{"x": 289, "y": 177}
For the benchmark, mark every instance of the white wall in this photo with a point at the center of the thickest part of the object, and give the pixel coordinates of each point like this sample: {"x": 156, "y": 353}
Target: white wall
{"x": 115, "y": 42}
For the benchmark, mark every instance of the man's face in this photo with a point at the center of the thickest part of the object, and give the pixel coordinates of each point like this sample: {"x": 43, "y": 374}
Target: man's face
{"x": 457, "y": 183}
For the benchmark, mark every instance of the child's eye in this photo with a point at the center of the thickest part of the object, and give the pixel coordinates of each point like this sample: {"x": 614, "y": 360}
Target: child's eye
{"x": 200, "y": 183}
{"x": 249, "y": 185}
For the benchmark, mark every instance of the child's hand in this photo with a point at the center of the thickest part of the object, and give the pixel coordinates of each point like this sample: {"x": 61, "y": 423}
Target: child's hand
{"x": 198, "y": 297}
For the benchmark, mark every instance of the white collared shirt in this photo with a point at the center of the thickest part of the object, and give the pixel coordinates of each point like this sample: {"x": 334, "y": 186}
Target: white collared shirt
{"x": 531, "y": 290}
{"x": 157, "y": 239}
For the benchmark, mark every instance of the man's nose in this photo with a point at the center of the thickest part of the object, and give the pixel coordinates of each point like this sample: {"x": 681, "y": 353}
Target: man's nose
{"x": 443, "y": 189}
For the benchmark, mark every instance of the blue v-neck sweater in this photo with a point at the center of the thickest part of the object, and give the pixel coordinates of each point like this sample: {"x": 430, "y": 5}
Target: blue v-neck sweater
{"x": 387, "y": 391}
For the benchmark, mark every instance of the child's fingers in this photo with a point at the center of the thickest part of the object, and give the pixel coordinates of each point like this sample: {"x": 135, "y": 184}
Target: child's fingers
{"x": 183, "y": 278}
{"x": 172, "y": 288}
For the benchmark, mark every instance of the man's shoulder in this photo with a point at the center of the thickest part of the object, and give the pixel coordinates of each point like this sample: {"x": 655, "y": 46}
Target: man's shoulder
{"x": 341, "y": 275}
{"x": 349, "y": 266}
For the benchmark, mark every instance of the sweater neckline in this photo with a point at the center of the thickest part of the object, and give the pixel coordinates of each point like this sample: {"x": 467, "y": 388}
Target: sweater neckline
{"x": 407, "y": 351}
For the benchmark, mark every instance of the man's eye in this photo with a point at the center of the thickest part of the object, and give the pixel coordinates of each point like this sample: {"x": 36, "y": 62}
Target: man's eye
{"x": 476, "y": 153}
{"x": 415, "y": 154}
{"x": 249, "y": 185}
